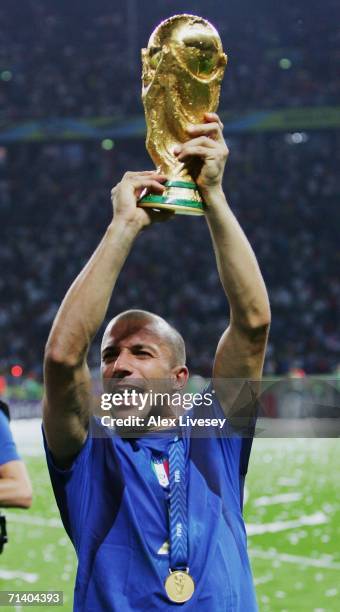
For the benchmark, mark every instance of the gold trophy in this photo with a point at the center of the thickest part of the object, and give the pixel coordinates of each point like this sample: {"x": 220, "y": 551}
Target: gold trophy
{"x": 183, "y": 67}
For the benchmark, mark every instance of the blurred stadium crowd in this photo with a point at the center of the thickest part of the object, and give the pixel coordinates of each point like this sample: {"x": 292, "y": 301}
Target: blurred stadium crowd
{"x": 56, "y": 205}
{"x": 82, "y": 59}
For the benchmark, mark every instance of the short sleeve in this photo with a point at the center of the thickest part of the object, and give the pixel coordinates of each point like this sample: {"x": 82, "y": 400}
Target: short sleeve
{"x": 232, "y": 429}
{"x": 8, "y": 451}
{"x": 71, "y": 488}
{"x": 234, "y": 441}
{"x": 89, "y": 492}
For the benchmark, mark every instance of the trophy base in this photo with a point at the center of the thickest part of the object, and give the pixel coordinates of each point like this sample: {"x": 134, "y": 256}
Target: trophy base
{"x": 182, "y": 197}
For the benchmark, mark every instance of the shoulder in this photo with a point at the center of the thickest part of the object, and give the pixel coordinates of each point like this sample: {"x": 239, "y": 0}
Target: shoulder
{"x": 233, "y": 434}
{"x": 98, "y": 445}
{"x": 4, "y": 422}
{"x": 8, "y": 451}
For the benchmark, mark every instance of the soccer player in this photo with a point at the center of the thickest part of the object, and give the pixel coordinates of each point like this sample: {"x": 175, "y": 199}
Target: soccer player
{"x": 156, "y": 520}
{"x": 15, "y": 486}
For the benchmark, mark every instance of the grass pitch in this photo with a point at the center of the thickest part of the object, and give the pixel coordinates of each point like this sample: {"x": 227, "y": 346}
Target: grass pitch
{"x": 292, "y": 512}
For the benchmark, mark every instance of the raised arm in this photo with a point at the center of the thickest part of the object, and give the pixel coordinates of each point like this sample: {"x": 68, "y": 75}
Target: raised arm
{"x": 67, "y": 401}
{"x": 240, "y": 352}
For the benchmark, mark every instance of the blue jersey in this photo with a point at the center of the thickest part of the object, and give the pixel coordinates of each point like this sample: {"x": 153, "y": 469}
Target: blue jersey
{"x": 115, "y": 510}
{"x": 8, "y": 451}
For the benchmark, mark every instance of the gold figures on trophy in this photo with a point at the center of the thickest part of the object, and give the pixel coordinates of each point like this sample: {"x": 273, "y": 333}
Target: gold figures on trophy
{"x": 183, "y": 67}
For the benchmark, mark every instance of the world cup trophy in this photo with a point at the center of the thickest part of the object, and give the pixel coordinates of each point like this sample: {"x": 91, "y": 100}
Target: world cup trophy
{"x": 183, "y": 67}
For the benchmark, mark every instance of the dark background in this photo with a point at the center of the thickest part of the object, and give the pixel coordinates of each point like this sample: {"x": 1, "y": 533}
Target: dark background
{"x": 70, "y": 60}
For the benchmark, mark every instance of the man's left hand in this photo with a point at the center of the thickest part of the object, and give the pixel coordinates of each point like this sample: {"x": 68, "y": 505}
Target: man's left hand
{"x": 208, "y": 144}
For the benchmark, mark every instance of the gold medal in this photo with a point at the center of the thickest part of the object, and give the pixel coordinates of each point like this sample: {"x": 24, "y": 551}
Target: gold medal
{"x": 179, "y": 586}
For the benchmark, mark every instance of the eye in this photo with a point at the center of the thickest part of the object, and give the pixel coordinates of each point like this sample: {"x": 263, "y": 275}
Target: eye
{"x": 143, "y": 352}
{"x": 109, "y": 355}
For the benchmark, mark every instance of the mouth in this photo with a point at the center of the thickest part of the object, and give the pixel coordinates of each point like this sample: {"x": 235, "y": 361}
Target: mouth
{"x": 125, "y": 388}
{"x": 128, "y": 396}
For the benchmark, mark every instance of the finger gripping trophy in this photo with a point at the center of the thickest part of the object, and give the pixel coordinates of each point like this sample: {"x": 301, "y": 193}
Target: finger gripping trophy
{"x": 183, "y": 67}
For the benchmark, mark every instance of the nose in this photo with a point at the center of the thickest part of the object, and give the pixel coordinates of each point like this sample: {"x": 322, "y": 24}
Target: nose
{"x": 122, "y": 366}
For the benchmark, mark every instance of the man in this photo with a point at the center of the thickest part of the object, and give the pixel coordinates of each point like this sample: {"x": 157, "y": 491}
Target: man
{"x": 113, "y": 505}
{"x": 15, "y": 486}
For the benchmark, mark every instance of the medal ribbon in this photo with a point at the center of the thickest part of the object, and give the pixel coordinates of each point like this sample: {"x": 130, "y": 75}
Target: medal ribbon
{"x": 178, "y": 506}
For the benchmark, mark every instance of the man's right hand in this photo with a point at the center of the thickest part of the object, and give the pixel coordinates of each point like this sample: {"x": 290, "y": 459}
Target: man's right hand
{"x": 125, "y": 196}
{"x": 68, "y": 395}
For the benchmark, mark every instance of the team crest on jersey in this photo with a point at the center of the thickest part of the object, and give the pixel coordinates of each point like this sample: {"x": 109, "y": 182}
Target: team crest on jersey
{"x": 160, "y": 466}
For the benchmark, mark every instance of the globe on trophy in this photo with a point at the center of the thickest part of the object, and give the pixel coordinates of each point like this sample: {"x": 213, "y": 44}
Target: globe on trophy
{"x": 183, "y": 67}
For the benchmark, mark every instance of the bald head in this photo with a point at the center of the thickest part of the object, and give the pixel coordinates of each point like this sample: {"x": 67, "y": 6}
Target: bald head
{"x": 134, "y": 320}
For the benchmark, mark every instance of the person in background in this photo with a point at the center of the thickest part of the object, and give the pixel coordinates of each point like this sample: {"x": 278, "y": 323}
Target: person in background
{"x": 15, "y": 485}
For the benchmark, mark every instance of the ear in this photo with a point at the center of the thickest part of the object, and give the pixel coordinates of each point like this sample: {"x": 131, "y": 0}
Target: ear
{"x": 180, "y": 376}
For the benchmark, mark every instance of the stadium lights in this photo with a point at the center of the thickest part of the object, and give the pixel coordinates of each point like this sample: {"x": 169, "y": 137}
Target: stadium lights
{"x": 285, "y": 63}
{"x": 6, "y": 75}
{"x": 16, "y": 371}
{"x": 296, "y": 138}
{"x": 107, "y": 144}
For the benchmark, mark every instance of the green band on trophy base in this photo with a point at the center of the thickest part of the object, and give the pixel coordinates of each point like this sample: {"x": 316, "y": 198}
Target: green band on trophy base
{"x": 181, "y": 197}
{"x": 184, "y": 184}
